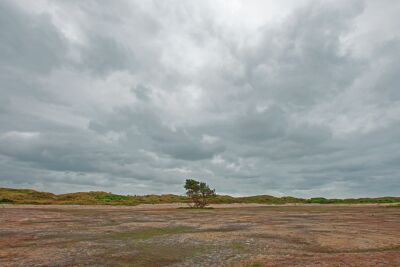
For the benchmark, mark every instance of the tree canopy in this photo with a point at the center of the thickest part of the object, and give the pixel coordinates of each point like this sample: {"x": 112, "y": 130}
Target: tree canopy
{"x": 198, "y": 193}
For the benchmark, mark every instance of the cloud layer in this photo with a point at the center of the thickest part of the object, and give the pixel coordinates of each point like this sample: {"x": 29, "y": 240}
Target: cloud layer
{"x": 298, "y": 98}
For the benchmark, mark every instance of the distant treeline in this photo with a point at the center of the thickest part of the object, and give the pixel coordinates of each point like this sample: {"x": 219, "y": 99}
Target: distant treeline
{"x": 28, "y": 196}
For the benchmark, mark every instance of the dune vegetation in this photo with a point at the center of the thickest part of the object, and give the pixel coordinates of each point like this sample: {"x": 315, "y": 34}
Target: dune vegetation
{"x": 29, "y": 196}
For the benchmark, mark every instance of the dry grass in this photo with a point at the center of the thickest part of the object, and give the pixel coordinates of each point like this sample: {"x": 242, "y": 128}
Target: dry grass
{"x": 28, "y": 196}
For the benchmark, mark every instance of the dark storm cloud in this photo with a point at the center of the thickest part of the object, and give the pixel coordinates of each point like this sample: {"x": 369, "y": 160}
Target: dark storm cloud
{"x": 28, "y": 43}
{"x": 302, "y": 60}
{"x": 134, "y": 97}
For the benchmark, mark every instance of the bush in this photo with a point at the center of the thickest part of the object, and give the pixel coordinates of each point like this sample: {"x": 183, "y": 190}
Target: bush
{"x": 111, "y": 197}
{"x": 5, "y": 200}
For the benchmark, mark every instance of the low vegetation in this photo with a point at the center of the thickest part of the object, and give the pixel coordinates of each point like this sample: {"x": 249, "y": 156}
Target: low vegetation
{"x": 28, "y": 196}
{"x": 394, "y": 206}
{"x": 321, "y": 200}
{"x": 5, "y": 200}
{"x": 147, "y": 233}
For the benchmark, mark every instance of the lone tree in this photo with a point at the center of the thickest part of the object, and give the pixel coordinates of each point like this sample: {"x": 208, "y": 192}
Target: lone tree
{"x": 198, "y": 193}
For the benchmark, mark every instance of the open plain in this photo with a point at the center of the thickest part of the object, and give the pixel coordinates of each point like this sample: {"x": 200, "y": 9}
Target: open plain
{"x": 227, "y": 235}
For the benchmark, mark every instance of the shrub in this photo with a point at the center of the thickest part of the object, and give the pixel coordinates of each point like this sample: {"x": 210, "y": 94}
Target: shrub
{"x": 198, "y": 193}
{"x": 5, "y": 200}
{"x": 111, "y": 197}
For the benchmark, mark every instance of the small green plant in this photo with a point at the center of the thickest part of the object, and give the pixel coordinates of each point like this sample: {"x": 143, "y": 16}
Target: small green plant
{"x": 256, "y": 264}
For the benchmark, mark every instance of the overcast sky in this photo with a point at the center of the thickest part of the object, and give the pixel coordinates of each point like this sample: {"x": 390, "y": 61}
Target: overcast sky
{"x": 296, "y": 98}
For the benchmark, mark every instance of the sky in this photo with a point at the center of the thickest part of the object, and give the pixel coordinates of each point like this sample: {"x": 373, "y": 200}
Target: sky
{"x": 297, "y": 97}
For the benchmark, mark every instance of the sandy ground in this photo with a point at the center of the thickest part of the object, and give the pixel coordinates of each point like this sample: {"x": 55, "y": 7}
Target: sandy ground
{"x": 228, "y": 235}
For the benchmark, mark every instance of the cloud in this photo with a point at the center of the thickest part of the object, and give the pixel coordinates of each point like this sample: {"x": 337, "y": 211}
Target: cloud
{"x": 29, "y": 43}
{"x": 255, "y": 98}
